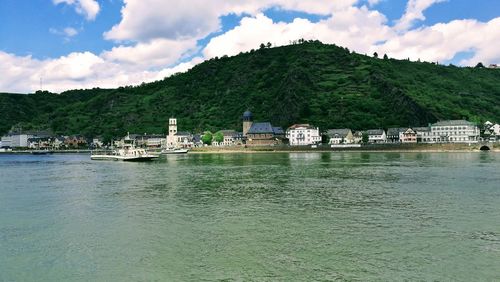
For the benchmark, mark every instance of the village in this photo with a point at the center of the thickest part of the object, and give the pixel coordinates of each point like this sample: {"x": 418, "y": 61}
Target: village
{"x": 262, "y": 134}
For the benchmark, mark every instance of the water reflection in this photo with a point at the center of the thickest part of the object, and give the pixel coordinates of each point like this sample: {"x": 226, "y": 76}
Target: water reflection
{"x": 267, "y": 216}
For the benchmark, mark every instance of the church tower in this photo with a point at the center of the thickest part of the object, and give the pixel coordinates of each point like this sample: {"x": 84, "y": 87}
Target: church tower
{"x": 247, "y": 122}
{"x": 172, "y": 130}
{"x": 172, "y": 126}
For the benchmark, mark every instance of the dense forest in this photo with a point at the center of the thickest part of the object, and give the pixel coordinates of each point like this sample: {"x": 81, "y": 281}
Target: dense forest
{"x": 325, "y": 85}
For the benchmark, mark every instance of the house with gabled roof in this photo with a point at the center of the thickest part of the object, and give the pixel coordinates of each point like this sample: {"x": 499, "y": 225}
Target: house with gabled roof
{"x": 376, "y": 136}
{"x": 340, "y": 136}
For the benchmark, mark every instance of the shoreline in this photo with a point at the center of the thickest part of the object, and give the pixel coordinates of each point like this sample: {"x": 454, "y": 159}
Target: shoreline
{"x": 391, "y": 148}
{"x": 418, "y": 148}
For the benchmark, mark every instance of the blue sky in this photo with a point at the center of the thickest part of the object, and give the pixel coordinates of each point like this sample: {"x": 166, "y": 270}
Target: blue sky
{"x": 145, "y": 40}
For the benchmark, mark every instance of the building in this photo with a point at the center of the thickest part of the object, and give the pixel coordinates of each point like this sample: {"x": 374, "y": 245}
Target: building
{"x": 19, "y": 138}
{"x": 493, "y": 127}
{"x": 231, "y": 138}
{"x": 41, "y": 143}
{"x": 263, "y": 133}
{"x": 260, "y": 133}
{"x": 75, "y": 141}
{"x": 172, "y": 131}
{"x": 357, "y": 137}
{"x": 303, "y": 134}
{"x": 16, "y": 140}
{"x": 97, "y": 142}
{"x": 401, "y": 135}
{"x": 408, "y": 136}
{"x": 393, "y": 134}
{"x": 247, "y": 122}
{"x": 452, "y": 131}
{"x": 340, "y": 136}
{"x": 496, "y": 130}
{"x": 421, "y": 132}
{"x": 6, "y": 141}
{"x": 376, "y": 136}
{"x": 148, "y": 140}
{"x": 183, "y": 139}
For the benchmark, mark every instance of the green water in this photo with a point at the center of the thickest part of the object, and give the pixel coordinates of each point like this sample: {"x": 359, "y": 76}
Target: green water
{"x": 260, "y": 217}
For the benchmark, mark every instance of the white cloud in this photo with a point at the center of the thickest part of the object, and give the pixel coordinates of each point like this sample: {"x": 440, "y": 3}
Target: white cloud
{"x": 156, "y": 53}
{"x": 441, "y": 42}
{"x": 166, "y": 32}
{"x": 76, "y": 71}
{"x": 66, "y": 32}
{"x": 414, "y": 12}
{"x": 70, "y": 32}
{"x": 144, "y": 20}
{"x": 87, "y": 8}
{"x": 355, "y": 28}
{"x": 373, "y": 2}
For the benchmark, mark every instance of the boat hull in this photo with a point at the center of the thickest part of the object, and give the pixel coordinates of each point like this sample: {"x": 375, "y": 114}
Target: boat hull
{"x": 122, "y": 158}
{"x": 174, "y": 152}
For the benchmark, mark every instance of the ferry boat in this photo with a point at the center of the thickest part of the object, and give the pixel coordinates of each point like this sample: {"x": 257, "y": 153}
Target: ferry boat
{"x": 128, "y": 152}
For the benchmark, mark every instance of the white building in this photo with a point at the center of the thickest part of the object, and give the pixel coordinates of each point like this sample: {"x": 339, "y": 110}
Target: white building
{"x": 16, "y": 140}
{"x": 452, "y": 131}
{"x": 376, "y": 136}
{"x": 184, "y": 139}
{"x": 340, "y": 136}
{"x": 172, "y": 132}
{"x": 6, "y": 141}
{"x": 303, "y": 134}
{"x": 495, "y": 129}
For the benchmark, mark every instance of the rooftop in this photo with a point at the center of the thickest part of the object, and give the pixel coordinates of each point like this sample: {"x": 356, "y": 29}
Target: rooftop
{"x": 304, "y": 125}
{"x": 452, "y": 123}
{"x": 375, "y": 132}
{"x": 342, "y": 132}
{"x": 396, "y": 130}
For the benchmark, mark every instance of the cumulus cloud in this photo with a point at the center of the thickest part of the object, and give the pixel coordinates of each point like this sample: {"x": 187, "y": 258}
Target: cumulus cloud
{"x": 443, "y": 41}
{"x": 76, "y": 71}
{"x": 414, "y": 12}
{"x": 144, "y": 20}
{"x": 87, "y": 8}
{"x": 356, "y": 28}
{"x": 155, "y": 53}
{"x": 158, "y": 34}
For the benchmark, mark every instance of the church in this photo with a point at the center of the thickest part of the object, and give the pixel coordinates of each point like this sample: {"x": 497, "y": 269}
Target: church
{"x": 261, "y": 133}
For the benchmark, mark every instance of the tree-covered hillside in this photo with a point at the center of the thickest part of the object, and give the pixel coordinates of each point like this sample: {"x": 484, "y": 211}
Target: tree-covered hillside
{"x": 311, "y": 82}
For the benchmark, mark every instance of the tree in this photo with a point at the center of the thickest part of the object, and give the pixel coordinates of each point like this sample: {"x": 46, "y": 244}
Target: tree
{"x": 479, "y": 65}
{"x": 218, "y": 137}
{"x": 269, "y": 45}
{"x": 385, "y": 57}
{"x": 365, "y": 138}
{"x": 375, "y": 55}
{"x": 207, "y": 138}
{"x": 262, "y": 46}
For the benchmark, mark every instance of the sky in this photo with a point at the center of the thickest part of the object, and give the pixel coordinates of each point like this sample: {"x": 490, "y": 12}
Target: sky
{"x": 59, "y": 45}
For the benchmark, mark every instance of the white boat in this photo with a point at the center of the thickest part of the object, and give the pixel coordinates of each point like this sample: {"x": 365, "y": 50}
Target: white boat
{"x": 126, "y": 153}
{"x": 174, "y": 151}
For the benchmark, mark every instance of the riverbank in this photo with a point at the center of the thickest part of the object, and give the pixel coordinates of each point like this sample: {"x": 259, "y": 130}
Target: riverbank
{"x": 365, "y": 148}
{"x": 29, "y": 152}
{"x": 494, "y": 147}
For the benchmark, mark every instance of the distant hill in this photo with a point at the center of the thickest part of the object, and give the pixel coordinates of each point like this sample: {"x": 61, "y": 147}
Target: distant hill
{"x": 325, "y": 85}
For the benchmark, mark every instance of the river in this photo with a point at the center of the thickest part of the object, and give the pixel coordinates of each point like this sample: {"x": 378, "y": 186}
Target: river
{"x": 262, "y": 217}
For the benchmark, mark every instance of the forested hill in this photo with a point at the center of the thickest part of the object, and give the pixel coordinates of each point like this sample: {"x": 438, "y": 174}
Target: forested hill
{"x": 324, "y": 85}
